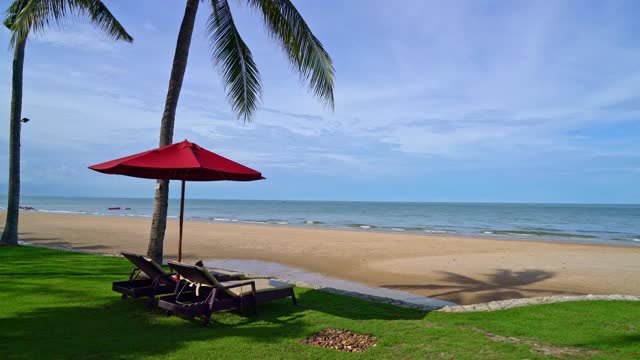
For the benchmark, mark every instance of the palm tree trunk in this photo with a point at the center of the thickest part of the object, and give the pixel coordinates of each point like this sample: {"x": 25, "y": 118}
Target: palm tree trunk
{"x": 159, "y": 222}
{"x": 10, "y": 233}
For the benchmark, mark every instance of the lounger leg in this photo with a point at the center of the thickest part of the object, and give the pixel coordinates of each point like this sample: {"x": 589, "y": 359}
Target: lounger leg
{"x": 154, "y": 290}
{"x": 123, "y": 296}
{"x": 255, "y": 305}
{"x": 293, "y": 298}
{"x": 207, "y": 319}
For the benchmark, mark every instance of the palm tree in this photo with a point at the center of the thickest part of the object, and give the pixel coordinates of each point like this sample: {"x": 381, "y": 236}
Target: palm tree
{"x": 23, "y": 17}
{"x": 240, "y": 74}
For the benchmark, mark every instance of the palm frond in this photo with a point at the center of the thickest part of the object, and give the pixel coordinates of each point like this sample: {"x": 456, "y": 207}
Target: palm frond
{"x": 100, "y": 15}
{"x": 235, "y": 61}
{"x": 12, "y": 12}
{"x": 304, "y": 50}
{"x": 37, "y": 15}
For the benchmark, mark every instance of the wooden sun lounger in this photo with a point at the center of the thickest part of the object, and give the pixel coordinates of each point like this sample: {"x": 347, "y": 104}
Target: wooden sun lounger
{"x": 201, "y": 294}
{"x": 148, "y": 279}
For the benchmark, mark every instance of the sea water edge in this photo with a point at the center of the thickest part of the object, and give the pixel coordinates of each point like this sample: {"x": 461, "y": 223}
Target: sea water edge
{"x": 614, "y": 224}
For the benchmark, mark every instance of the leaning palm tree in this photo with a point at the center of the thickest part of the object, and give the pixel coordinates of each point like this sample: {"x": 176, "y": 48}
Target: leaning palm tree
{"x": 22, "y": 18}
{"x": 240, "y": 74}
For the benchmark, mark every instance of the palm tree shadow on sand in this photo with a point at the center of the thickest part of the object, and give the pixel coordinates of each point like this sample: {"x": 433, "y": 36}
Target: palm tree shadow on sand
{"x": 503, "y": 284}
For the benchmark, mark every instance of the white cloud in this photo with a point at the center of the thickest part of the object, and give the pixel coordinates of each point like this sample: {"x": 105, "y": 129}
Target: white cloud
{"x": 440, "y": 85}
{"x": 149, "y": 27}
{"x": 83, "y": 37}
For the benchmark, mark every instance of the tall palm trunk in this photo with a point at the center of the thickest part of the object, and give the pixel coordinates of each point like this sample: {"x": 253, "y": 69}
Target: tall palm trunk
{"x": 159, "y": 222}
{"x": 10, "y": 233}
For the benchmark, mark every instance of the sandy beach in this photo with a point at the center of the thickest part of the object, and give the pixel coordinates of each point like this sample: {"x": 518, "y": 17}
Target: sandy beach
{"x": 462, "y": 270}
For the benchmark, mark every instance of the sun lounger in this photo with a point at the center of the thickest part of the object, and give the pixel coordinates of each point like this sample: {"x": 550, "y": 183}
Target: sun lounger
{"x": 148, "y": 279}
{"x": 201, "y": 294}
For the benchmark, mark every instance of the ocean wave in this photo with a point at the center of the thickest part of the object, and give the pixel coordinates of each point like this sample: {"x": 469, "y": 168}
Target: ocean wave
{"x": 537, "y": 233}
{"x": 313, "y": 222}
{"x": 600, "y": 231}
{"x": 402, "y": 228}
{"x": 62, "y": 212}
{"x": 539, "y": 228}
{"x": 362, "y": 226}
{"x": 414, "y": 228}
{"x": 430, "y": 231}
{"x": 406, "y": 228}
{"x": 276, "y": 221}
{"x": 219, "y": 219}
{"x": 627, "y": 240}
{"x": 521, "y": 233}
{"x": 142, "y": 216}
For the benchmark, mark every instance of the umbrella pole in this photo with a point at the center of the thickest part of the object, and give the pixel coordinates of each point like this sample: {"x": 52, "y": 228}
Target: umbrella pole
{"x": 181, "y": 220}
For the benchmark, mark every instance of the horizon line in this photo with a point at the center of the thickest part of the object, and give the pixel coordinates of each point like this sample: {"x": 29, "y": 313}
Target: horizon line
{"x": 353, "y": 201}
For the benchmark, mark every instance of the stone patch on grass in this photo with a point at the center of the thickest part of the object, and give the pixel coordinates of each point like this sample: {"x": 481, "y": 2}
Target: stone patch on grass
{"x": 508, "y": 304}
{"x": 341, "y": 340}
{"x": 541, "y": 348}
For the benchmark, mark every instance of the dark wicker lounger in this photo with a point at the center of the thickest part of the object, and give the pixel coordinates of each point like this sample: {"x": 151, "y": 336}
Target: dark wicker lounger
{"x": 148, "y": 279}
{"x": 211, "y": 295}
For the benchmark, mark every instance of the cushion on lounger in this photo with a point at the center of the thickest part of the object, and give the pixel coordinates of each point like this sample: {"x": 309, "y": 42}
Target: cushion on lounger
{"x": 225, "y": 272}
{"x": 262, "y": 285}
{"x": 212, "y": 280}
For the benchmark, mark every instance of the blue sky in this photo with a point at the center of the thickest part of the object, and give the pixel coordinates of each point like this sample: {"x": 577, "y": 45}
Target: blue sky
{"x": 521, "y": 101}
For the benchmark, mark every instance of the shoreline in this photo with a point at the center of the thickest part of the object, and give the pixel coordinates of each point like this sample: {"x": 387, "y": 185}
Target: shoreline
{"x": 506, "y": 235}
{"x": 458, "y": 269}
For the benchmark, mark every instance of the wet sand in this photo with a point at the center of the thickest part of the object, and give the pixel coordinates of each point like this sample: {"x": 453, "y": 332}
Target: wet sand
{"x": 462, "y": 270}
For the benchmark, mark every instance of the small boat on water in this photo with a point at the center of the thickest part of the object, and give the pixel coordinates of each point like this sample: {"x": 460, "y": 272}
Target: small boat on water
{"x": 26, "y": 208}
{"x": 119, "y": 208}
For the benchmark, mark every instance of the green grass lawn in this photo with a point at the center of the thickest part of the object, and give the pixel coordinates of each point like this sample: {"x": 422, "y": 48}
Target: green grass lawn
{"x": 56, "y": 304}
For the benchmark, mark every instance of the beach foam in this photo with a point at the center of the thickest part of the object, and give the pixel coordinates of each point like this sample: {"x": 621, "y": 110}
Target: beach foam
{"x": 60, "y": 212}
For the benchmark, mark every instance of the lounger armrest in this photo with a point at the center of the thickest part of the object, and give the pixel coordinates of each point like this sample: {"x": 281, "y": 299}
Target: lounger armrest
{"x": 252, "y": 283}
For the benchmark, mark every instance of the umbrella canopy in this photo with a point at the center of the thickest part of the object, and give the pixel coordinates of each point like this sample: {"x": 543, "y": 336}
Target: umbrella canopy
{"x": 183, "y": 161}
{"x": 180, "y": 161}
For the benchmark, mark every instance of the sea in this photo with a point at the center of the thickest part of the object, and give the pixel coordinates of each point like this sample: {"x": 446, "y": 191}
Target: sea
{"x": 580, "y": 223}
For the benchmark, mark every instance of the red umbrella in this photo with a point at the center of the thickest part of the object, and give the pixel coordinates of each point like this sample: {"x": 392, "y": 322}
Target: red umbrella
{"x": 183, "y": 161}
